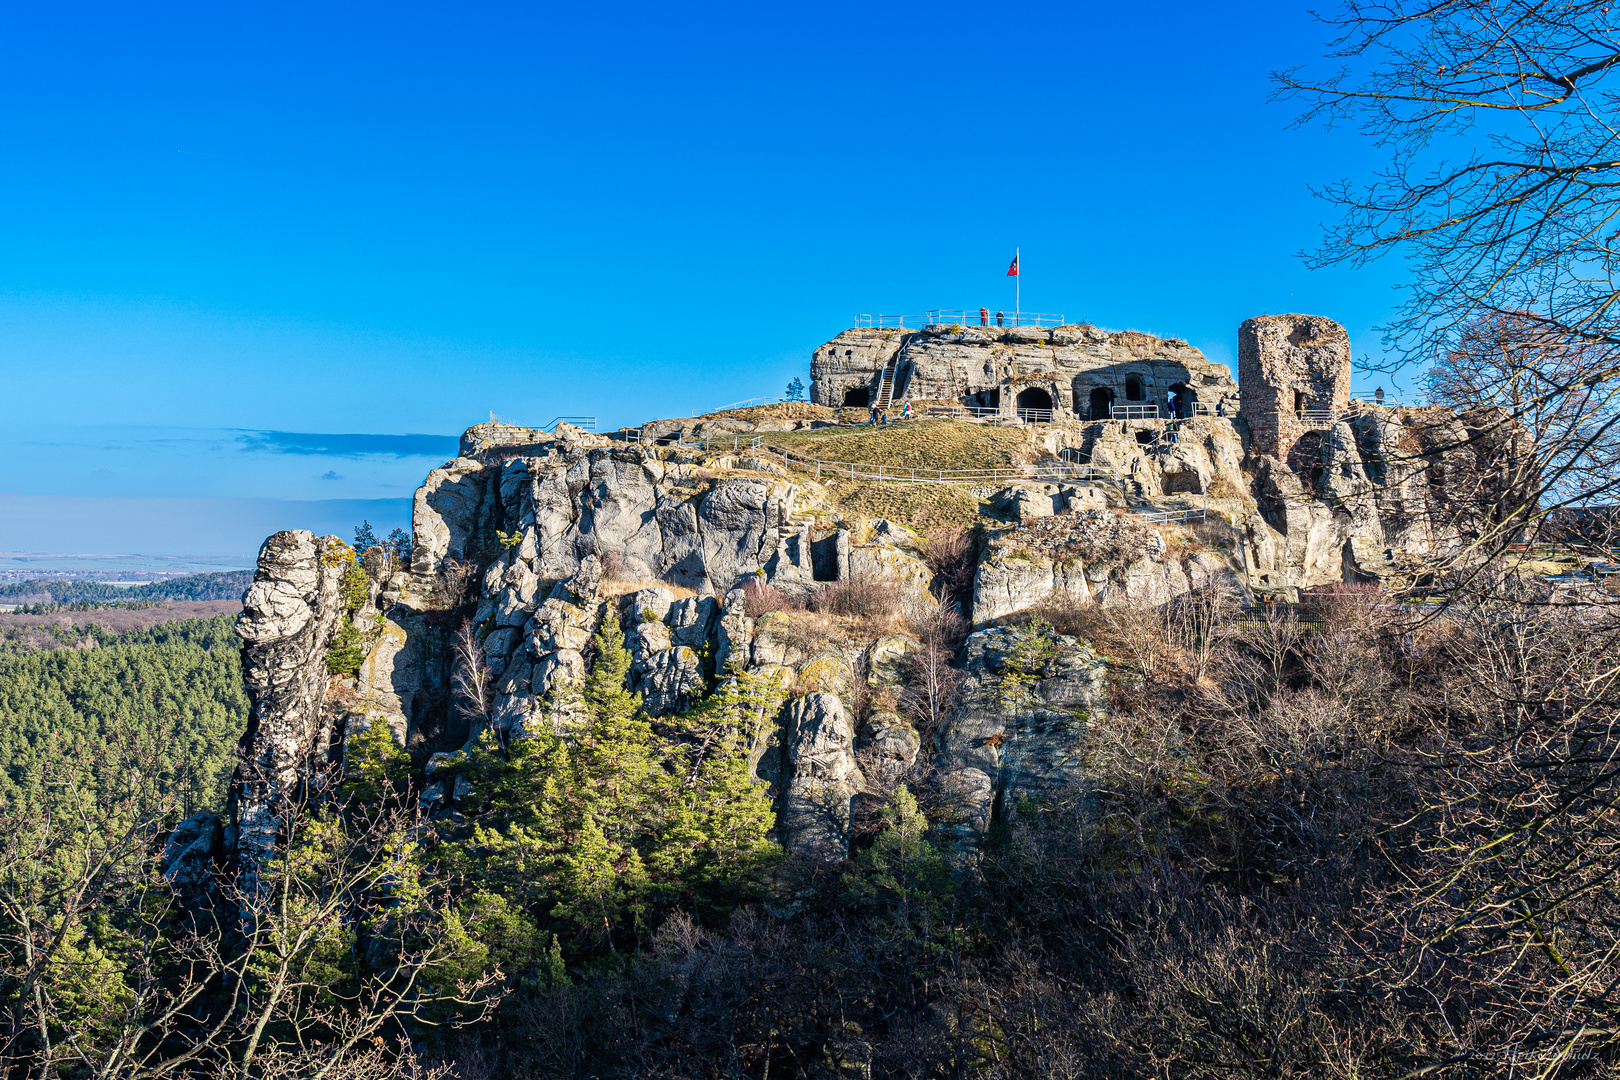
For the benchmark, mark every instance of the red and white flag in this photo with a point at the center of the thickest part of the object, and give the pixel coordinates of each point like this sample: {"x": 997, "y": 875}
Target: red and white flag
{"x": 1012, "y": 271}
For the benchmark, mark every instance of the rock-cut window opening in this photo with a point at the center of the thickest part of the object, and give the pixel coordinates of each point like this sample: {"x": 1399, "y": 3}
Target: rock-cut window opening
{"x": 859, "y": 397}
{"x": 1102, "y": 403}
{"x": 1133, "y": 388}
{"x": 1299, "y": 401}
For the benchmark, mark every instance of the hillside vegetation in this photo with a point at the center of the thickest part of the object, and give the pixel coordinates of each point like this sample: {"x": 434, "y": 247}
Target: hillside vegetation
{"x": 177, "y": 686}
{"x": 923, "y": 444}
{"x": 225, "y": 585}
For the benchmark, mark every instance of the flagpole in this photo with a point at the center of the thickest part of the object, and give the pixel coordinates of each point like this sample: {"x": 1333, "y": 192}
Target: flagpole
{"x": 1018, "y": 285}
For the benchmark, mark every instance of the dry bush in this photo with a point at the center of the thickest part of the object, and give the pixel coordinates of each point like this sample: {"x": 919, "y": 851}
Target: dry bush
{"x": 953, "y": 556}
{"x": 1223, "y": 487}
{"x": 455, "y": 583}
{"x": 807, "y": 631}
{"x": 759, "y": 598}
{"x": 872, "y": 599}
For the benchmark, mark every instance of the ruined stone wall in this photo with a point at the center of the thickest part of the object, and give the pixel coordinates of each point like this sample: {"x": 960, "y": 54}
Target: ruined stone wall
{"x": 988, "y": 366}
{"x": 1289, "y": 365}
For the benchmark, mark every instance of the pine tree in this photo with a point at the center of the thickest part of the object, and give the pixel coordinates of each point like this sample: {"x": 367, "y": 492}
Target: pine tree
{"x": 399, "y": 546}
{"x": 902, "y": 874}
{"x": 795, "y": 389}
{"x": 363, "y": 537}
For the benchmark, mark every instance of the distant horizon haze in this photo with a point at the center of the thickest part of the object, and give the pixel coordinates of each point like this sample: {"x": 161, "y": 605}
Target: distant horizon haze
{"x": 235, "y": 235}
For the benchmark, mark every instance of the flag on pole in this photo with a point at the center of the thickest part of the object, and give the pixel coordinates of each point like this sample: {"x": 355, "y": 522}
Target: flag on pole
{"x": 1012, "y": 271}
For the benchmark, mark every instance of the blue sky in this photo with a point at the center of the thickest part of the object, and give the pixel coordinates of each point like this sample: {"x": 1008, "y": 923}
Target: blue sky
{"x": 262, "y": 260}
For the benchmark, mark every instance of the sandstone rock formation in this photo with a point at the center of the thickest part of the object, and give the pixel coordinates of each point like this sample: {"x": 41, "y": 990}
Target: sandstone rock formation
{"x": 288, "y": 619}
{"x": 1079, "y": 371}
{"x": 532, "y": 538}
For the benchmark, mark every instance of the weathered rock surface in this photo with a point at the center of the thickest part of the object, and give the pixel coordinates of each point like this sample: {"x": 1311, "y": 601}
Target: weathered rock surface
{"x": 1017, "y": 735}
{"x": 288, "y": 618}
{"x": 1078, "y": 370}
{"x": 820, "y": 779}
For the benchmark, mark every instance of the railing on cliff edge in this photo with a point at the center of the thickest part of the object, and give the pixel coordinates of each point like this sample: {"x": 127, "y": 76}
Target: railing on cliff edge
{"x": 906, "y": 474}
{"x": 1045, "y": 472}
{"x": 965, "y": 317}
{"x": 957, "y": 317}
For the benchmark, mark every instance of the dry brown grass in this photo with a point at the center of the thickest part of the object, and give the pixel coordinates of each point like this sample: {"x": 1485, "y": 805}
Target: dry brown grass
{"x": 924, "y": 507}
{"x": 922, "y": 444}
{"x": 624, "y": 587}
{"x": 781, "y": 410}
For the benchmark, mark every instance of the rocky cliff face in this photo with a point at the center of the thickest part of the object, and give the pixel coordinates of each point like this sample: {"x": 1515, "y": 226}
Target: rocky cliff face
{"x": 530, "y": 539}
{"x": 289, "y": 616}
{"x": 1080, "y": 370}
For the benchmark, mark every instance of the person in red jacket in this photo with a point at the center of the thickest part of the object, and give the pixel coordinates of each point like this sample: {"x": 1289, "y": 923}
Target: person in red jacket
{"x": 984, "y": 316}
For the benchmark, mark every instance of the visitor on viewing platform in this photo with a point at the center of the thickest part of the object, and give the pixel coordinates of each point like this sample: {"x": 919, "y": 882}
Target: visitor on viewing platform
{"x": 984, "y": 316}
{"x": 999, "y": 317}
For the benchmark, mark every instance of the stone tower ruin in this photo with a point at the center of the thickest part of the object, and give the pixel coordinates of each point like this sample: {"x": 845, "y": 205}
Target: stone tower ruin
{"x": 1293, "y": 378}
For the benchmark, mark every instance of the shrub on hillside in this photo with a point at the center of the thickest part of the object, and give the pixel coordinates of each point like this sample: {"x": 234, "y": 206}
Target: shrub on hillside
{"x": 953, "y": 556}
{"x": 858, "y": 599}
{"x": 759, "y": 598}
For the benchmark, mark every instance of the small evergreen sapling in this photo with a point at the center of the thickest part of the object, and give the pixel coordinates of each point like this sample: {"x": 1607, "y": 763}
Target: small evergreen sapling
{"x": 795, "y": 389}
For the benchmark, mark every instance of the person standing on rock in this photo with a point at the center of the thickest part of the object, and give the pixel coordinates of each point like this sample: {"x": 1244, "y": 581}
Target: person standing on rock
{"x": 984, "y": 316}
{"x": 999, "y": 317}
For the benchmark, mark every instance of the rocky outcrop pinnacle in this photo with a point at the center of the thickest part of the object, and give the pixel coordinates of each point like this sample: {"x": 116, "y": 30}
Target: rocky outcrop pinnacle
{"x": 289, "y": 616}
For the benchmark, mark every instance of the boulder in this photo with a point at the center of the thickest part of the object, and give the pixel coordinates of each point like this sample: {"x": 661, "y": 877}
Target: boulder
{"x": 891, "y": 739}
{"x": 673, "y": 679}
{"x": 821, "y": 779}
{"x": 887, "y": 659}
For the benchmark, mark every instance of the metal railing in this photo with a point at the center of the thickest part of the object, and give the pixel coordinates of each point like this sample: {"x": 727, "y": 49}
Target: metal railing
{"x": 1047, "y": 472}
{"x": 750, "y": 403}
{"x": 586, "y": 422}
{"x": 857, "y": 470}
{"x": 964, "y": 317}
{"x": 1170, "y": 517}
{"x": 1035, "y": 416}
{"x": 1149, "y": 411}
{"x": 956, "y": 412}
{"x": 889, "y": 322}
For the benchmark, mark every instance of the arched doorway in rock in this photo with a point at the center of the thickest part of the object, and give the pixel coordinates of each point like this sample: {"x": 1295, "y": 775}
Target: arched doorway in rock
{"x": 1183, "y": 400}
{"x": 859, "y": 397}
{"x": 1134, "y": 389}
{"x": 1034, "y": 405}
{"x": 1102, "y": 403}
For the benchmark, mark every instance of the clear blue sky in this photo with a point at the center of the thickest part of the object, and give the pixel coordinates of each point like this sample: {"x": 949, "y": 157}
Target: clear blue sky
{"x": 228, "y": 229}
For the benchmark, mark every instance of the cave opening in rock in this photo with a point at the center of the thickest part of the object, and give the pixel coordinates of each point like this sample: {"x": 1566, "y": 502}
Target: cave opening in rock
{"x": 1183, "y": 483}
{"x": 1133, "y": 388}
{"x": 1183, "y": 400}
{"x": 1034, "y": 404}
{"x": 1144, "y": 438}
{"x": 1102, "y": 403}
{"x": 859, "y": 397}
{"x": 824, "y": 558}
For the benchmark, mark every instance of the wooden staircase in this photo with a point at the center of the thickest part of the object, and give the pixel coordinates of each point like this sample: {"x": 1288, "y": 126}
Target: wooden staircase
{"x": 885, "y": 394}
